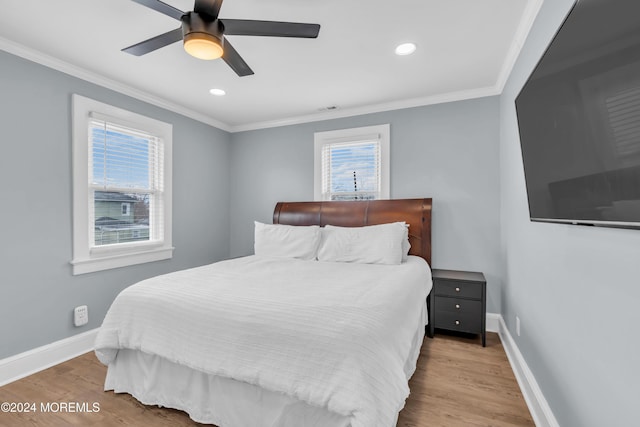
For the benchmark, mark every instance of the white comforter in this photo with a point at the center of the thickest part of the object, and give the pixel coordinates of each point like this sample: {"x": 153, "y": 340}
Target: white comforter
{"x": 334, "y": 335}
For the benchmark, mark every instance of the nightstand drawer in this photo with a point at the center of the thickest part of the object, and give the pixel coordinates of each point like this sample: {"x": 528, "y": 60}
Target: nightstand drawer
{"x": 463, "y": 322}
{"x": 455, "y": 288}
{"x": 457, "y": 305}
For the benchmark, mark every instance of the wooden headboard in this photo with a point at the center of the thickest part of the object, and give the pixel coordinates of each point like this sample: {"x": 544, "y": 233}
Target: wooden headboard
{"x": 415, "y": 212}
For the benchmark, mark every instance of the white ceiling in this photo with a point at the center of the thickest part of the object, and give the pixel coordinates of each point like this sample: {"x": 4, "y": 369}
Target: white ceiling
{"x": 465, "y": 49}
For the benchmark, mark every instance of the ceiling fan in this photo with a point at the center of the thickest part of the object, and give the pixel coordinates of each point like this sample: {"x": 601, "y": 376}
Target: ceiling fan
{"x": 203, "y": 32}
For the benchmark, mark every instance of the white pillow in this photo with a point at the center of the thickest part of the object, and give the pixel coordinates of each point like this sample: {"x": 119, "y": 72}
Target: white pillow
{"x": 286, "y": 241}
{"x": 373, "y": 244}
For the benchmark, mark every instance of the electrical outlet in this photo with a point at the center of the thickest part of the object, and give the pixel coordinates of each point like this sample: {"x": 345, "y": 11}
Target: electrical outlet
{"x": 517, "y": 326}
{"x": 80, "y": 315}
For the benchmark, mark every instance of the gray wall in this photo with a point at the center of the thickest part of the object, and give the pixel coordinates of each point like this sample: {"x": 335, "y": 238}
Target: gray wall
{"x": 37, "y": 290}
{"x": 448, "y": 152}
{"x": 575, "y": 289}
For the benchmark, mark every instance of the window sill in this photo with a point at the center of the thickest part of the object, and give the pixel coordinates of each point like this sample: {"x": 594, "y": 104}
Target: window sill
{"x": 107, "y": 262}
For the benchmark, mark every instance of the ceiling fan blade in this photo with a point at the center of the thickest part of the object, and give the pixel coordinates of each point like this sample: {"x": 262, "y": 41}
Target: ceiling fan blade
{"x": 154, "y": 43}
{"x": 210, "y": 8}
{"x": 161, "y": 7}
{"x": 248, "y": 27}
{"x": 235, "y": 61}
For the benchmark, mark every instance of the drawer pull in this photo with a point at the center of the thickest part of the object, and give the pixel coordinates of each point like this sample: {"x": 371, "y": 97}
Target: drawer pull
{"x": 458, "y": 306}
{"x": 457, "y": 322}
{"x": 457, "y": 289}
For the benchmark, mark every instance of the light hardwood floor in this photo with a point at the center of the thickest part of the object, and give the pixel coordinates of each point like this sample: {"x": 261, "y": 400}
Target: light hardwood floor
{"x": 457, "y": 383}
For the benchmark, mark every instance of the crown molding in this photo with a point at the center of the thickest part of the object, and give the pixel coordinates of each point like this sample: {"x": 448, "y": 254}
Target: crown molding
{"x": 369, "y": 109}
{"x": 526, "y": 22}
{"x": 95, "y": 78}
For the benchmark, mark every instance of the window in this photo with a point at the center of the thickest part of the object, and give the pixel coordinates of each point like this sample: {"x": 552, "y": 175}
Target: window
{"x": 121, "y": 187}
{"x": 352, "y": 164}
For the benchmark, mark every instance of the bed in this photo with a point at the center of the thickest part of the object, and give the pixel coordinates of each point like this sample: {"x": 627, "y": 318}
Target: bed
{"x": 279, "y": 342}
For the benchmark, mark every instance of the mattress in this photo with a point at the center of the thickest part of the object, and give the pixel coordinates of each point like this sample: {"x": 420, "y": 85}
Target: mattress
{"x": 289, "y": 362}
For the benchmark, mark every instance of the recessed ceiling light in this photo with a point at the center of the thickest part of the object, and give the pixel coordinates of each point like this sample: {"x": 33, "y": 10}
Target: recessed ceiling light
{"x": 405, "y": 49}
{"x": 217, "y": 92}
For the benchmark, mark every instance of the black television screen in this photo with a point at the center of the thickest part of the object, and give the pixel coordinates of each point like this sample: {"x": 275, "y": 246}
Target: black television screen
{"x": 579, "y": 119}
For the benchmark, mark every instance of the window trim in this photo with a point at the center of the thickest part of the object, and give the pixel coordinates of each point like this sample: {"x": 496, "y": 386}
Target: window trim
{"x": 382, "y": 132}
{"x": 87, "y": 259}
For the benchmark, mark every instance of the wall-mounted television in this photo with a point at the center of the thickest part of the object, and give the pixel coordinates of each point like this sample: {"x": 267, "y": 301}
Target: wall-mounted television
{"x": 579, "y": 119}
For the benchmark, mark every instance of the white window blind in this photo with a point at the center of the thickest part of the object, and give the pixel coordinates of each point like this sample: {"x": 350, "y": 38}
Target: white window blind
{"x": 125, "y": 184}
{"x": 351, "y": 170}
{"x": 352, "y": 164}
{"x": 122, "y": 187}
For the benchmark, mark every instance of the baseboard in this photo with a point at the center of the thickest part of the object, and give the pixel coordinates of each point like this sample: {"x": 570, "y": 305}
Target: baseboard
{"x": 538, "y": 406}
{"x": 24, "y": 364}
{"x": 493, "y": 322}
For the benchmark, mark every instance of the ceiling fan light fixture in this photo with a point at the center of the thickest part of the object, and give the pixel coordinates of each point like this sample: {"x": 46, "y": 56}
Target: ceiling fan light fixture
{"x": 203, "y": 33}
{"x": 203, "y": 46}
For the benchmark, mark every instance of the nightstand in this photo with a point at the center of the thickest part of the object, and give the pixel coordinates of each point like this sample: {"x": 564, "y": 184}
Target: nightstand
{"x": 458, "y": 302}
